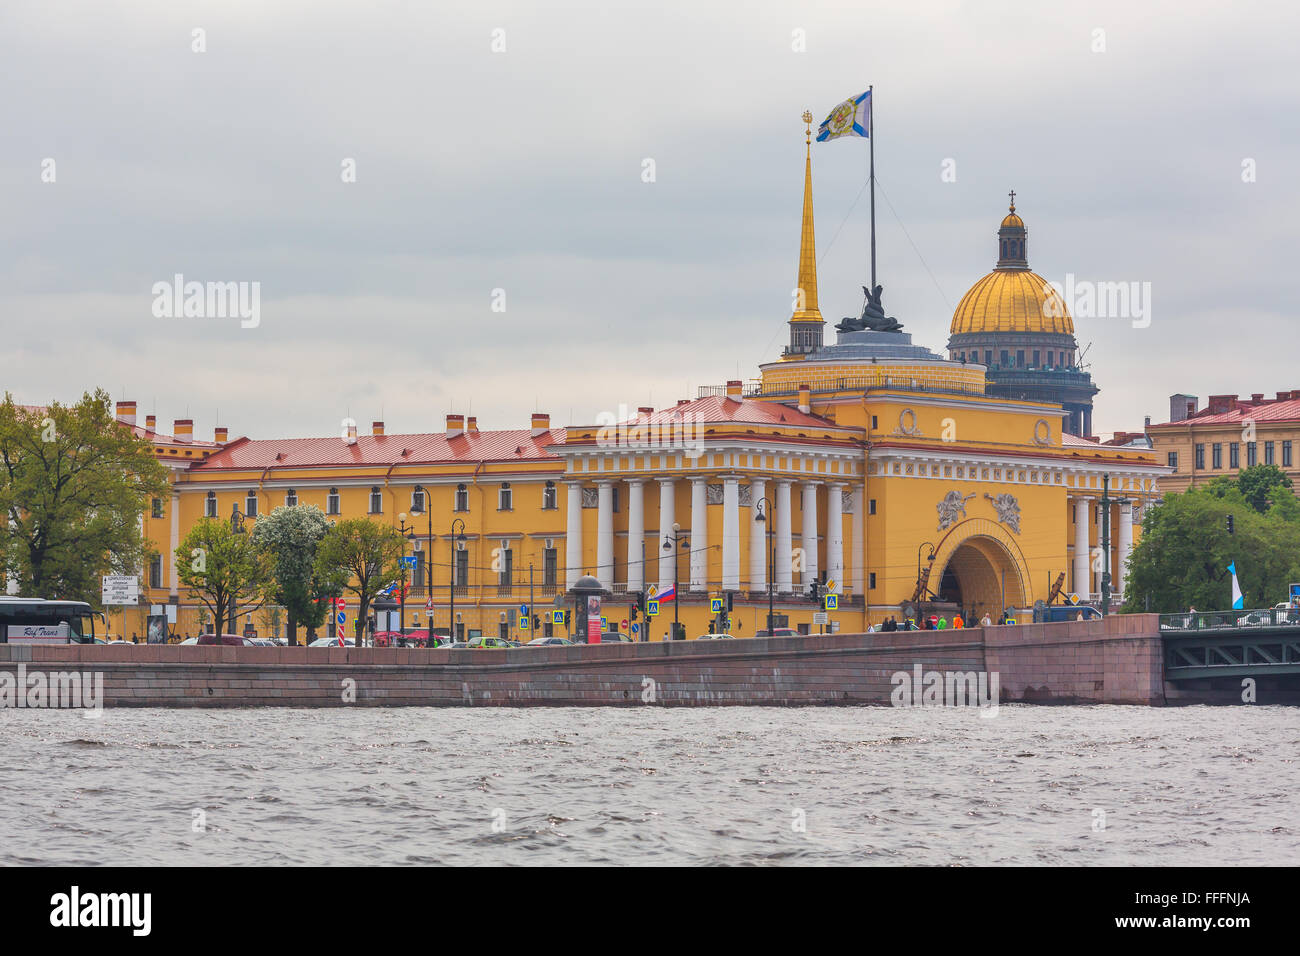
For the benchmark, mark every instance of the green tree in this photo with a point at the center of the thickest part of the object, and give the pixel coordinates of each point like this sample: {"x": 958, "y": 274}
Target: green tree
{"x": 289, "y": 537}
{"x": 369, "y": 557}
{"x": 73, "y": 485}
{"x": 1182, "y": 558}
{"x": 225, "y": 569}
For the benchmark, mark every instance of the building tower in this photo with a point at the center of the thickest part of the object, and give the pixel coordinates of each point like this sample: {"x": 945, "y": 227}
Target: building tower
{"x": 1015, "y": 324}
{"x": 806, "y": 323}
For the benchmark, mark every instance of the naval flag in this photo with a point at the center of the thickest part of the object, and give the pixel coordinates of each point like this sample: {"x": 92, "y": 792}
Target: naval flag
{"x": 1238, "y": 601}
{"x": 850, "y": 118}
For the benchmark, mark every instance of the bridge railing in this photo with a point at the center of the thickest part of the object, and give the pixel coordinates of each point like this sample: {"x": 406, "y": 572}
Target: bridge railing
{"x": 1193, "y": 621}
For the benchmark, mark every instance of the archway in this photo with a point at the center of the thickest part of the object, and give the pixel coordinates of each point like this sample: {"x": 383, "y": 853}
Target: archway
{"x": 978, "y": 566}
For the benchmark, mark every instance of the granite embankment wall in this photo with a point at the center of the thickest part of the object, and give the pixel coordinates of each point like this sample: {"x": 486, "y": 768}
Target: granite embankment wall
{"x": 1117, "y": 660}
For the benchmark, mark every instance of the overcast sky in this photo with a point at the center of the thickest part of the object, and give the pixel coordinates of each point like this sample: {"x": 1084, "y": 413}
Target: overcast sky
{"x": 522, "y": 171}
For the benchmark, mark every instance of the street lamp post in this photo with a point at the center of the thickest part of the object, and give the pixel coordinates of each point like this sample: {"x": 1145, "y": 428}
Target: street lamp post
{"x": 675, "y": 546}
{"x": 764, "y": 509}
{"x": 456, "y": 538}
{"x": 236, "y": 527}
{"x": 407, "y": 534}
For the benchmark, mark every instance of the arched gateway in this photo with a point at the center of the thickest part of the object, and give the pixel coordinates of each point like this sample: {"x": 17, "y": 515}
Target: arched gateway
{"x": 979, "y": 567}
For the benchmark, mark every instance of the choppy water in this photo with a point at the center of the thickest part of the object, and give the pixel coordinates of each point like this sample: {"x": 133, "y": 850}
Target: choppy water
{"x": 647, "y": 786}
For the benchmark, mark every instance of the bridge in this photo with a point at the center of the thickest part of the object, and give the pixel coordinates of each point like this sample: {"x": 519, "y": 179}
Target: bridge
{"x": 1241, "y": 643}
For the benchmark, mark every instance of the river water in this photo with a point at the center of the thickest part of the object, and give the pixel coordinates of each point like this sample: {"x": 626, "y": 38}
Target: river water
{"x": 1031, "y": 785}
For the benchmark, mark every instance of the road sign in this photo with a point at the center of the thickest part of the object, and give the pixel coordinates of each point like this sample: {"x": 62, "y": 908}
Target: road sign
{"x": 652, "y": 608}
{"x": 428, "y": 605}
{"x": 652, "y": 591}
{"x": 523, "y": 622}
{"x": 408, "y": 560}
{"x": 120, "y": 589}
{"x": 830, "y": 584}
{"x": 821, "y": 617}
{"x": 604, "y": 623}
{"x": 523, "y": 609}
{"x": 1074, "y": 599}
{"x": 625, "y": 624}
{"x": 715, "y": 605}
{"x": 558, "y": 617}
{"x": 341, "y": 618}
{"x": 832, "y": 602}
{"x": 636, "y": 628}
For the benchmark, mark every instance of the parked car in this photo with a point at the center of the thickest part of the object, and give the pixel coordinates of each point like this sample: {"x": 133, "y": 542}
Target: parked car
{"x": 614, "y": 637}
{"x": 778, "y": 632}
{"x": 715, "y": 637}
{"x": 457, "y": 646}
{"x": 190, "y": 641}
{"x": 548, "y": 642}
{"x": 331, "y": 642}
{"x": 1254, "y": 619}
{"x": 228, "y": 640}
{"x": 490, "y": 643}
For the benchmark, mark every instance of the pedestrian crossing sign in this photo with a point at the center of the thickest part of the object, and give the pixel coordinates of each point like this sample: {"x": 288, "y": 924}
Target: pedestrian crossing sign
{"x": 523, "y": 622}
{"x": 558, "y": 617}
{"x": 832, "y": 602}
{"x": 652, "y": 608}
{"x": 604, "y": 624}
{"x": 715, "y": 605}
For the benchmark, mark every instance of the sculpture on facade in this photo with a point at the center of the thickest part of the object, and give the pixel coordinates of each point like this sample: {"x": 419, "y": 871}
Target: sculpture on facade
{"x": 952, "y": 509}
{"x": 1008, "y": 509}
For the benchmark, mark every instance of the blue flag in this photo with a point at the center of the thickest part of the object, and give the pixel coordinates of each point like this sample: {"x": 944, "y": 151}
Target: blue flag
{"x": 850, "y": 118}
{"x": 1238, "y": 600}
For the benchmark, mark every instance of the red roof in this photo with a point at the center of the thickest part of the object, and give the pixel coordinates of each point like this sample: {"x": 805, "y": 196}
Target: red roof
{"x": 1264, "y": 411}
{"x": 720, "y": 408}
{"x": 515, "y": 445}
{"x": 158, "y": 438}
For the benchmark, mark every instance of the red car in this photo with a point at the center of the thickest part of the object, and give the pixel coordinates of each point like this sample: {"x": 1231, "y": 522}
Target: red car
{"x": 229, "y": 640}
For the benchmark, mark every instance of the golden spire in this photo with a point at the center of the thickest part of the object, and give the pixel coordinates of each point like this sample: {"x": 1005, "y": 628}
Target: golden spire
{"x": 807, "y": 247}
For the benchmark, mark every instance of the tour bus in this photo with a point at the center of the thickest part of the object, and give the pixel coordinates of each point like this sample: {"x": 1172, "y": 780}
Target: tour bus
{"x": 38, "y": 621}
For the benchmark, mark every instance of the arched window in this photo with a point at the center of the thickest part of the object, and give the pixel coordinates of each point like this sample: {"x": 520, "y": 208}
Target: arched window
{"x": 332, "y": 502}
{"x": 417, "y": 500}
{"x": 291, "y": 498}
{"x": 550, "y": 500}
{"x": 376, "y": 501}
{"x": 250, "y": 504}
{"x": 462, "y": 498}
{"x": 210, "y": 506}
{"x": 504, "y": 497}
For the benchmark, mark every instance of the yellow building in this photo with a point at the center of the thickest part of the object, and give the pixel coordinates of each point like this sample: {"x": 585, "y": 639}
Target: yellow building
{"x": 1229, "y": 434}
{"x": 872, "y": 463}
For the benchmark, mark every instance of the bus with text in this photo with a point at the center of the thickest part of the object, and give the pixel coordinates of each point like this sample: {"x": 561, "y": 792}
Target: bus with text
{"x": 40, "y": 621}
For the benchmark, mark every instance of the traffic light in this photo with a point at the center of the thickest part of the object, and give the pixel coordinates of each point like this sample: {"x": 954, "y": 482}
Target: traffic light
{"x": 1231, "y": 525}
{"x": 815, "y": 591}
{"x": 537, "y": 623}
{"x": 731, "y": 596}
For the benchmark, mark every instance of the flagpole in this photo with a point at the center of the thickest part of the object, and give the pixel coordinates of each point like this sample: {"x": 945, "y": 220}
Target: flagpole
{"x": 871, "y": 140}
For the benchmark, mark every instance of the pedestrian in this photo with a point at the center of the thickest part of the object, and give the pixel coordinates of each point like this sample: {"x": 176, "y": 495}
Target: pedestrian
{"x": 957, "y": 622}
{"x": 986, "y": 621}
{"x": 943, "y": 624}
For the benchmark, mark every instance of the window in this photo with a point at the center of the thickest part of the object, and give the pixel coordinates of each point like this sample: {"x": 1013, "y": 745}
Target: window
{"x": 376, "y": 500}
{"x": 1035, "y": 358}
{"x": 210, "y": 506}
{"x": 1234, "y": 455}
{"x": 1200, "y": 457}
{"x": 417, "y": 500}
{"x": 1286, "y": 453}
{"x": 156, "y": 510}
{"x": 462, "y": 569}
{"x": 462, "y": 498}
{"x": 1268, "y": 453}
{"x": 418, "y": 573}
{"x": 1006, "y": 358}
{"x": 332, "y": 502}
{"x": 550, "y": 562}
{"x": 550, "y": 500}
{"x": 1173, "y": 460}
{"x": 155, "y": 571}
{"x": 874, "y": 423}
{"x": 504, "y": 497}
{"x": 871, "y": 506}
{"x": 614, "y": 503}
{"x": 1049, "y": 359}
{"x": 1252, "y": 454}
{"x": 1216, "y": 455}
{"x": 250, "y": 504}
{"x": 291, "y": 498}
{"x": 988, "y": 356}
{"x": 871, "y": 583}
{"x": 1020, "y": 358}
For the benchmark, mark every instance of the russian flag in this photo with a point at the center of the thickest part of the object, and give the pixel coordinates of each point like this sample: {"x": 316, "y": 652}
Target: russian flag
{"x": 667, "y": 594}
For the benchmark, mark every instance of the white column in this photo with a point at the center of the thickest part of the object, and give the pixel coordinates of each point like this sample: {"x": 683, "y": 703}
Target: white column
{"x": 573, "y": 537}
{"x": 699, "y": 534}
{"x": 784, "y": 539}
{"x": 757, "y": 537}
{"x": 1125, "y": 546}
{"x": 835, "y": 535}
{"x": 731, "y": 534}
{"x": 173, "y": 579}
{"x": 667, "y": 515}
{"x": 808, "y": 540}
{"x": 635, "y": 534}
{"x": 605, "y": 533}
{"x": 1082, "y": 555}
{"x": 858, "y": 549}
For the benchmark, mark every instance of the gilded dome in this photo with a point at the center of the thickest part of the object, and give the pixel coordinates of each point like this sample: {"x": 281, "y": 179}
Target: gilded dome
{"x": 1012, "y": 300}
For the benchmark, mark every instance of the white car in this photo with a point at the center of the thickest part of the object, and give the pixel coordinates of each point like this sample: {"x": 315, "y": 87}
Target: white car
{"x": 331, "y": 642}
